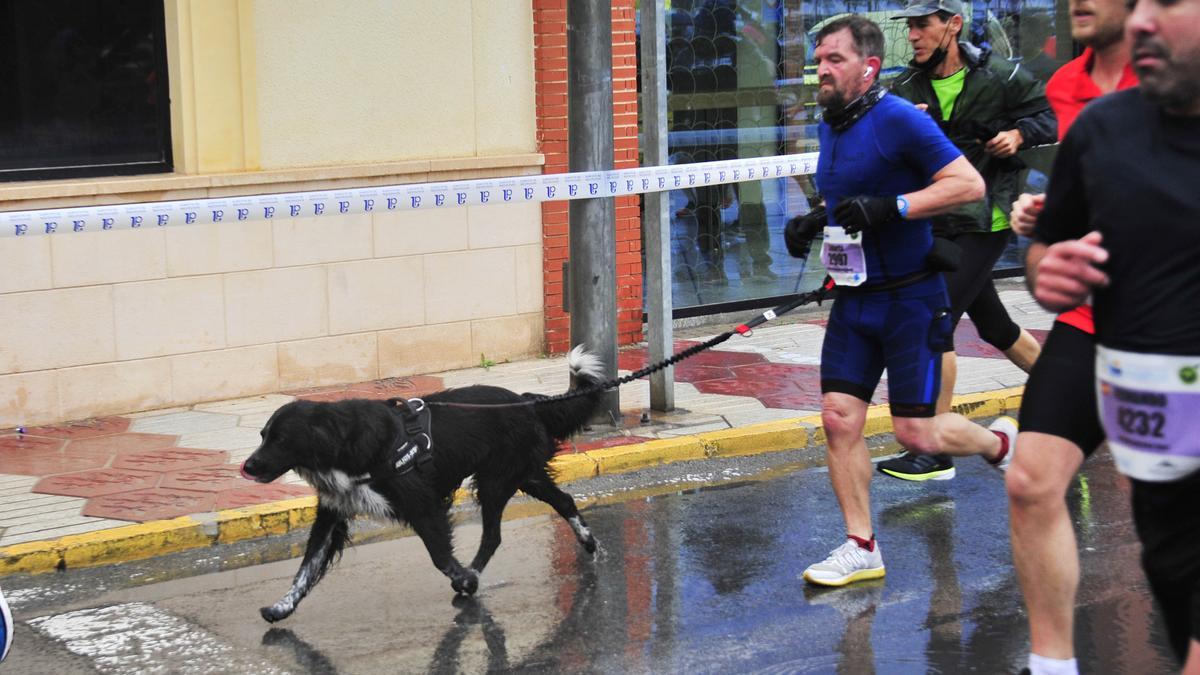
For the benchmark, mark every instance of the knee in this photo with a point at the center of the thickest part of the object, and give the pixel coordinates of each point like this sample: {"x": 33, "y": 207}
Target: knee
{"x": 1028, "y": 487}
{"x": 840, "y": 426}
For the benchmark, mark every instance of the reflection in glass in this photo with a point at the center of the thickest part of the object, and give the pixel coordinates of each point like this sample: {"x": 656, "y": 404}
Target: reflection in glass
{"x": 742, "y": 84}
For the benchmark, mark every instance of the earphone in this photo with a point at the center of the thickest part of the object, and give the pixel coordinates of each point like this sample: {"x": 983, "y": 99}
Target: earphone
{"x": 869, "y": 71}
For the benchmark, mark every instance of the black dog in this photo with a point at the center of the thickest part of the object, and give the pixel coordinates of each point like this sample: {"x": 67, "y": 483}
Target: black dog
{"x": 347, "y": 450}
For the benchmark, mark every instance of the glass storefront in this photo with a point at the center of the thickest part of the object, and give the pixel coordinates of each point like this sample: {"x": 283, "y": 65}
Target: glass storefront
{"x": 741, "y": 83}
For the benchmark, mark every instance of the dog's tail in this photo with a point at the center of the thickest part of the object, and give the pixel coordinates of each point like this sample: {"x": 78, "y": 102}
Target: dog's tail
{"x": 564, "y": 418}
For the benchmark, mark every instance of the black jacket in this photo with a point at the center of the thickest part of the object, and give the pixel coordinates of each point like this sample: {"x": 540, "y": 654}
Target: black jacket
{"x": 997, "y": 95}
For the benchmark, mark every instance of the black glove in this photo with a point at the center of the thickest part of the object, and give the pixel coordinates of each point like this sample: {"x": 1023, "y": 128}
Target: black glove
{"x": 856, "y": 214}
{"x": 799, "y": 232}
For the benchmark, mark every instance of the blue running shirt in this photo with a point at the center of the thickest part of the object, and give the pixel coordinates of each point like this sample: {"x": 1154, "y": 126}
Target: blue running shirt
{"x": 893, "y": 150}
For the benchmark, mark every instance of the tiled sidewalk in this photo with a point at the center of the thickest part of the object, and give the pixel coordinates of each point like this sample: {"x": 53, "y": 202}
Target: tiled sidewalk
{"x": 104, "y": 473}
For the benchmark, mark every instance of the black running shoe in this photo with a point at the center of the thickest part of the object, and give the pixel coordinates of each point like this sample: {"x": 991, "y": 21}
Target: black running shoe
{"x": 914, "y": 466}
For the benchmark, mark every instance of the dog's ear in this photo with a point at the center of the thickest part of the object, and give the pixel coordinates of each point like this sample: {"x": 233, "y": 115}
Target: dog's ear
{"x": 328, "y": 435}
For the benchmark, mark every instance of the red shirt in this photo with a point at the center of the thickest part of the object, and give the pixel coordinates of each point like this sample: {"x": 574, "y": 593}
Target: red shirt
{"x": 1069, "y": 90}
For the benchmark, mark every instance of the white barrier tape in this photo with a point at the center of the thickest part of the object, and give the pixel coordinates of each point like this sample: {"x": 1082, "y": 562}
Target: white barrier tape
{"x": 396, "y": 198}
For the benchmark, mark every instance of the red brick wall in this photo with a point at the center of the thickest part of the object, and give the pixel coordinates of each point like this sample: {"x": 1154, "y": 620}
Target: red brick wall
{"x": 550, "y": 64}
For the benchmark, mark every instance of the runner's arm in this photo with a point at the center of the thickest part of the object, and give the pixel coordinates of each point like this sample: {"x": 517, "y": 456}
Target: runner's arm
{"x": 953, "y": 185}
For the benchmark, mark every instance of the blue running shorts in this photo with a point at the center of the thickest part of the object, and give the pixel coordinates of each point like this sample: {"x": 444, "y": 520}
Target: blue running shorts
{"x": 904, "y": 331}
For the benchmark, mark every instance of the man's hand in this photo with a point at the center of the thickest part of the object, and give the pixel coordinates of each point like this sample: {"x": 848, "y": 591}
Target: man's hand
{"x": 1025, "y": 212}
{"x": 799, "y": 232}
{"x": 1067, "y": 273}
{"x": 856, "y": 214}
{"x": 1005, "y": 143}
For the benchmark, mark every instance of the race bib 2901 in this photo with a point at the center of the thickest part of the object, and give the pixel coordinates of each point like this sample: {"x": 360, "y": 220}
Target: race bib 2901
{"x": 842, "y": 255}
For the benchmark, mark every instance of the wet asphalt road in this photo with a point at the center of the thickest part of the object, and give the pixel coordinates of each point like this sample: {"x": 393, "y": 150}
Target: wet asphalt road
{"x": 698, "y": 572}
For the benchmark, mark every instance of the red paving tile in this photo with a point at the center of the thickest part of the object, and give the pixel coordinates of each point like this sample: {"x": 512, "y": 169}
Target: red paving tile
{"x": 122, "y": 443}
{"x": 803, "y": 401}
{"x": 152, "y": 504}
{"x": 259, "y": 494}
{"x": 97, "y": 483}
{"x": 968, "y": 343}
{"x": 170, "y": 459}
{"x": 207, "y": 479}
{"x": 407, "y": 387}
{"x": 49, "y": 463}
{"x": 635, "y": 359}
{"x": 782, "y": 371}
{"x": 25, "y": 443}
{"x": 102, "y": 426}
{"x": 331, "y": 395}
{"x": 716, "y": 357}
{"x": 749, "y": 387}
{"x": 687, "y": 372}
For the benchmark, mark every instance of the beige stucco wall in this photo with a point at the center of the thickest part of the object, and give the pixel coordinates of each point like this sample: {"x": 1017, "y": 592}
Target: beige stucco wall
{"x": 420, "y": 79}
{"x": 281, "y": 96}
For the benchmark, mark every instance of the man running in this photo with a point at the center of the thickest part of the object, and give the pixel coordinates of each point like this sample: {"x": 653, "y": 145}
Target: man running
{"x": 884, "y": 168}
{"x": 1122, "y": 220}
{"x": 1059, "y": 424}
{"x": 989, "y": 108}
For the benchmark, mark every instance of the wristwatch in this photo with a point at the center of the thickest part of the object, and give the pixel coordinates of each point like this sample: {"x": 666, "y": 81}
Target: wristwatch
{"x": 902, "y": 206}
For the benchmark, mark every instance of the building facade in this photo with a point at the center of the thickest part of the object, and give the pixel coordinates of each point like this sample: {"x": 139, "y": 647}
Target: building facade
{"x": 187, "y": 99}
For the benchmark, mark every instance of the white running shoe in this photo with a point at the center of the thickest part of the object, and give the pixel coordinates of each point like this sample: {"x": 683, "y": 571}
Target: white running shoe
{"x": 846, "y": 564}
{"x": 1007, "y": 426}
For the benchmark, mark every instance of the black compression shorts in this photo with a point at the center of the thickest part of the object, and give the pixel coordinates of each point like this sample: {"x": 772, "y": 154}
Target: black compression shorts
{"x": 1060, "y": 395}
{"x": 1167, "y": 516}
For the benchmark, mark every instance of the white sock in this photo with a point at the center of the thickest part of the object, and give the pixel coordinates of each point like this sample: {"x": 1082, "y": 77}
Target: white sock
{"x": 1044, "y": 665}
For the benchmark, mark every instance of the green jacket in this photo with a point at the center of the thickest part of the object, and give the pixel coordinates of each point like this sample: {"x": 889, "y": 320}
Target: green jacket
{"x": 997, "y": 95}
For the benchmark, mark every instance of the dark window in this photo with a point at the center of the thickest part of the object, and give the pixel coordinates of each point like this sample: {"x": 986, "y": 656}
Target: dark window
{"x": 86, "y": 85}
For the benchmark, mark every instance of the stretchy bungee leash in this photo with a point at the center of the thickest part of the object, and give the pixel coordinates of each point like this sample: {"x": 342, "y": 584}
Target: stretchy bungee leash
{"x": 745, "y": 329}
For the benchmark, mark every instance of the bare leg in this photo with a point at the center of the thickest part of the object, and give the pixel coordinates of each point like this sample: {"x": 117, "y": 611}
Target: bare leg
{"x": 948, "y": 433}
{"x": 1024, "y": 351}
{"x": 949, "y": 376}
{"x": 1043, "y": 540}
{"x": 849, "y": 462}
{"x": 328, "y": 536}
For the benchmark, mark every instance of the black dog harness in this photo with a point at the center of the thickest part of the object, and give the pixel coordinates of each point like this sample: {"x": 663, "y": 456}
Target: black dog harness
{"x": 413, "y": 445}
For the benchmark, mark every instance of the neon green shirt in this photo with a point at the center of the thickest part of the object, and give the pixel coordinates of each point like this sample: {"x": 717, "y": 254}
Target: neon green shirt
{"x": 947, "y": 90}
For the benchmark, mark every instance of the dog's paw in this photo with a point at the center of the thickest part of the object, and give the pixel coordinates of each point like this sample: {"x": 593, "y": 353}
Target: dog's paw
{"x": 467, "y": 583}
{"x": 274, "y": 613}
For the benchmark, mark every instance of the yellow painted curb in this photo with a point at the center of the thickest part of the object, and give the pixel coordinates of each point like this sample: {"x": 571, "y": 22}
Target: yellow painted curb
{"x": 756, "y": 438}
{"x": 261, "y": 520}
{"x": 566, "y": 468}
{"x": 34, "y": 557}
{"x": 132, "y": 542}
{"x": 879, "y": 421}
{"x": 650, "y": 453}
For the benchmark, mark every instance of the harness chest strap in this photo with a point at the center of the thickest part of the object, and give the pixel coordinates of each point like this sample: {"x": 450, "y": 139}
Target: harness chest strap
{"x": 412, "y": 447}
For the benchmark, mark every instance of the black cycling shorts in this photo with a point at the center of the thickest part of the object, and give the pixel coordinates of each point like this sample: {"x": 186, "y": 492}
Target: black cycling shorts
{"x": 1167, "y": 516}
{"x": 1060, "y": 395}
